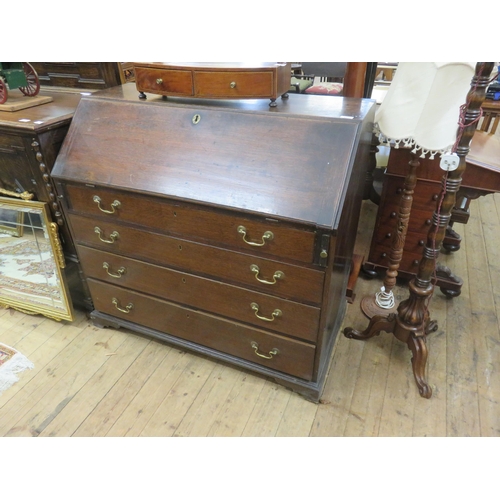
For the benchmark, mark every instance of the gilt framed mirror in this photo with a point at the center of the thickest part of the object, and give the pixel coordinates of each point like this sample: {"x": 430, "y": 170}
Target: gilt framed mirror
{"x": 31, "y": 261}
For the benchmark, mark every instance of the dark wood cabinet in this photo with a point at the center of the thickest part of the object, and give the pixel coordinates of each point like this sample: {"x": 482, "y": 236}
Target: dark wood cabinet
{"x": 478, "y": 180}
{"x": 80, "y": 75}
{"x": 224, "y": 227}
{"x": 30, "y": 140}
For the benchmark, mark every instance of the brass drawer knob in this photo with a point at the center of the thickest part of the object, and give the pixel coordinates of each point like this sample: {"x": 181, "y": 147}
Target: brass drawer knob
{"x": 116, "y": 204}
{"x": 232, "y": 85}
{"x": 255, "y": 307}
{"x": 119, "y": 273}
{"x": 278, "y": 275}
{"x": 267, "y": 236}
{"x": 127, "y": 308}
{"x": 272, "y": 352}
{"x": 159, "y": 81}
{"x": 112, "y": 237}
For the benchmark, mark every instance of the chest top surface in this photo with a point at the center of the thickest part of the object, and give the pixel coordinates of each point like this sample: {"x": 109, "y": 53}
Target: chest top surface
{"x": 219, "y": 66}
{"x": 292, "y": 161}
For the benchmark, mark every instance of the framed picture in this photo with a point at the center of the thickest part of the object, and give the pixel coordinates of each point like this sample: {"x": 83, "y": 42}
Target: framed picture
{"x": 32, "y": 264}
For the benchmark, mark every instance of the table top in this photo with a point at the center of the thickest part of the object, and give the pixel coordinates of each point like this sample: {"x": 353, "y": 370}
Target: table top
{"x": 37, "y": 118}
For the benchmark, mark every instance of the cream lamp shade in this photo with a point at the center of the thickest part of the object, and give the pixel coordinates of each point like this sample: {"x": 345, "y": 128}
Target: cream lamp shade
{"x": 422, "y": 106}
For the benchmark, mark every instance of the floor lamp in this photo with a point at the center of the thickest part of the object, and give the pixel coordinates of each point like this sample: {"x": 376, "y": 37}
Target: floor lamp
{"x": 422, "y": 109}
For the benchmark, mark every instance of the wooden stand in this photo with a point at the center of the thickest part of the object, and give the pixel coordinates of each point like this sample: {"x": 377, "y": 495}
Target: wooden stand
{"x": 411, "y": 323}
{"x": 214, "y": 81}
{"x": 18, "y": 101}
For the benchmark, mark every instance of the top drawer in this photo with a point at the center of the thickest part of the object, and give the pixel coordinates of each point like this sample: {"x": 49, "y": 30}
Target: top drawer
{"x": 264, "y": 236}
{"x": 169, "y": 81}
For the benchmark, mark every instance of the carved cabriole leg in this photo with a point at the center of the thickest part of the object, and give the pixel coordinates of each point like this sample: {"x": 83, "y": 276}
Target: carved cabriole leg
{"x": 377, "y": 324}
{"x": 411, "y": 326}
{"x": 418, "y": 347}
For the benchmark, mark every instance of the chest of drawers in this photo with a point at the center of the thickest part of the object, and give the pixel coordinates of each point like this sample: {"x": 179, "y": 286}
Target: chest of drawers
{"x": 478, "y": 180}
{"x": 223, "y": 227}
{"x": 214, "y": 81}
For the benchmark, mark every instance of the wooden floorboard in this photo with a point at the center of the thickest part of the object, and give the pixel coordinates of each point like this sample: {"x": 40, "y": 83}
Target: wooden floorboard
{"x": 88, "y": 381}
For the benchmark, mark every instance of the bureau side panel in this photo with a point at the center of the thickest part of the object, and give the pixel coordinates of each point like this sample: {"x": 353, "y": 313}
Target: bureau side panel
{"x": 342, "y": 246}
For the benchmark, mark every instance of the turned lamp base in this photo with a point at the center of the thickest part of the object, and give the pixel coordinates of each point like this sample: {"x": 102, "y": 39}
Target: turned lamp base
{"x": 370, "y": 308}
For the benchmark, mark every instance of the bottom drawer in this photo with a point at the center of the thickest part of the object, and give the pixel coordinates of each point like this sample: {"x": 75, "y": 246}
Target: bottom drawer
{"x": 273, "y": 351}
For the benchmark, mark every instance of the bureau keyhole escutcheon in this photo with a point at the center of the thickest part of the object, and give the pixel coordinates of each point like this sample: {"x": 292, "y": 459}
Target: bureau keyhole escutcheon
{"x": 196, "y": 119}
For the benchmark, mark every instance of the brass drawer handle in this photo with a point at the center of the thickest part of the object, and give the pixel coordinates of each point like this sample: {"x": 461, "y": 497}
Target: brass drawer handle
{"x": 267, "y": 236}
{"x": 113, "y": 236}
{"x": 232, "y": 85}
{"x": 272, "y": 353}
{"x": 275, "y": 313}
{"x": 159, "y": 81}
{"x": 119, "y": 274}
{"x": 116, "y": 204}
{"x": 127, "y": 308}
{"x": 278, "y": 275}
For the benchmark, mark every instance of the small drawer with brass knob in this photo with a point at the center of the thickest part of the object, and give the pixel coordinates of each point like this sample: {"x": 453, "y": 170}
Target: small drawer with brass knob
{"x": 173, "y": 82}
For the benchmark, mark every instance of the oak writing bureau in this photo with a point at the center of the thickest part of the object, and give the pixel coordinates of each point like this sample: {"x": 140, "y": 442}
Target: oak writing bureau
{"x": 221, "y": 226}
